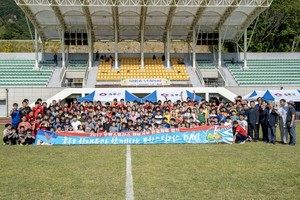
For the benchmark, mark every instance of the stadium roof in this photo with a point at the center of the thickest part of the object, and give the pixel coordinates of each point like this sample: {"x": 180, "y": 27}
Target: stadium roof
{"x": 126, "y": 20}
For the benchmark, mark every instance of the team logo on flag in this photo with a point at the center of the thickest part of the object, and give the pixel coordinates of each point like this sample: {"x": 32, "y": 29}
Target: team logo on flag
{"x": 50, "y": 135}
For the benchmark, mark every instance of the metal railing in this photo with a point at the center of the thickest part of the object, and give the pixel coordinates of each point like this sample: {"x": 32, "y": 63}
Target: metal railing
{"x": 86, "y": 74}
{"x": 199, "y": 74}
{"x": 223, "y": 75}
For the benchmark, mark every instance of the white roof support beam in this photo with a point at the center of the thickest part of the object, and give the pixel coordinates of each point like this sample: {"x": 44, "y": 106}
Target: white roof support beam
{"x": 170, "y": 20}
{"x": 32, "y": 18}
{"x": 198, "y": 15}
{"x": 161, "y": 3}
{"x": 58, "y": 15}
{"x": 115, "y": 12}
{"x": 155, "y": 31}
{"x": 88, "y": 18}
{"x": 228, "y": 13}
{"x": 249, "y": 20}
{"x": 143, "y": 17}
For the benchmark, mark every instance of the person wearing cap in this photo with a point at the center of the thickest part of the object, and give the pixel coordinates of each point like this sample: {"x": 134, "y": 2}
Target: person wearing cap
{"x": 290, "y": 123}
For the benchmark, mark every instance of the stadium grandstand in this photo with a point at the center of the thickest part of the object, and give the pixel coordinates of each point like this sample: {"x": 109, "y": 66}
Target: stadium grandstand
{"x": 196, "y": 23}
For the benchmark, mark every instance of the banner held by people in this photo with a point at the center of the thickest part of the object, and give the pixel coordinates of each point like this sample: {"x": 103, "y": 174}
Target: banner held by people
{"x": 197, "y": 135}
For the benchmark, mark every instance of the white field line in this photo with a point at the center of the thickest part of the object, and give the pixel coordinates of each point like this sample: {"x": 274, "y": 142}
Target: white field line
{"x": 129, "y": 178}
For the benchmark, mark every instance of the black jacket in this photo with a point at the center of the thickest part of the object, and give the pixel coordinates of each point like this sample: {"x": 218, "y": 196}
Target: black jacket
{"x": 272, "y": 117}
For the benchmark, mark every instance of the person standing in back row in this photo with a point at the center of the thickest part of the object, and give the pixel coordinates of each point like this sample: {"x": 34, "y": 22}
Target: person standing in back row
{"x": 282, "y": 110}
{"x": 272, "y": 120}
{"x": 253, "y": 119}
{"x": 290, "y": 123}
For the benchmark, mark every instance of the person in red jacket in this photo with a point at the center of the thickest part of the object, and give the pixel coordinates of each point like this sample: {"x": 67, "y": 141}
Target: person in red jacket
{"x": 37, "y": 109}
{"x": 240, "y": 134}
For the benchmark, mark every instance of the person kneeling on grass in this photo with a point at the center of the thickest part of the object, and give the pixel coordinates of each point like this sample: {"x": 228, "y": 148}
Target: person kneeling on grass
{"x": 240, "y": 134}
{"x": 29, "y": 138}
{"x": 6, "y": 133}
{"x": 13, "y": 137}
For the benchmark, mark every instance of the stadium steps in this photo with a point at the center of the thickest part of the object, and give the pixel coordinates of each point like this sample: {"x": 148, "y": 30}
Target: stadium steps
{"x": 193, "y": 77}
{"x": 54, "y": 81}
{"x": 92, "y": 76}
{"x": 228, "y": 76}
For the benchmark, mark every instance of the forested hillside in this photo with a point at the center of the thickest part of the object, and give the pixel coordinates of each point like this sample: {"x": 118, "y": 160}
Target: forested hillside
{"x": 12, "y": 22}
{"x": 277, "y": 29}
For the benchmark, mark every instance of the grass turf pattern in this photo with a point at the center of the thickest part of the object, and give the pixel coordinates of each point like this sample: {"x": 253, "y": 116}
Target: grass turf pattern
{"x": 249, "y": 171}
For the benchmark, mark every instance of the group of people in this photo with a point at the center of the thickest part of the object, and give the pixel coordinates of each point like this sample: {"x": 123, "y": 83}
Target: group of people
{"x": 119, "y": 116}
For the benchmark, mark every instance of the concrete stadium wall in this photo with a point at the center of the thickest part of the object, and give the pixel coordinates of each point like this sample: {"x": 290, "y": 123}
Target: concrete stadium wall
{"x": 19, "y": 56}
{"x": 16, "y": 95}
{"x": 209, "y": 73}
{"x": 84, "y": 56}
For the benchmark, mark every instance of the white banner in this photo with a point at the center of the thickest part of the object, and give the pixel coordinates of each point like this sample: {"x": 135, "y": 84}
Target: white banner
{"x": 109, "y": 96}
{"x": 171, "y": 94}
{"x": 288, "y": 95}
{"x": 145, "y": 82}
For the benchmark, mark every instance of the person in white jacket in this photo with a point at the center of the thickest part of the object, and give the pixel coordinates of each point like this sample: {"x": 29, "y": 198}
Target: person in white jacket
{"x": 282, "y": 111}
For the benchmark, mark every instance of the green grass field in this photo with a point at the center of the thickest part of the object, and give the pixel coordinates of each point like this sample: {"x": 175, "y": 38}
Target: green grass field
{"x": 250, "y": 171}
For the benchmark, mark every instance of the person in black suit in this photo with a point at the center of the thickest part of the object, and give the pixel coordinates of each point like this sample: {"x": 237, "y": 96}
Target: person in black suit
{"x": 272, "y": 119}
{"x": 264, "y": 122}
{"x": 253, "y": 119}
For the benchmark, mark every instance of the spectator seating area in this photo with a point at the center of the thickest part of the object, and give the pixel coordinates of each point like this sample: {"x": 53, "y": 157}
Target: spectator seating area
{"x": 205, "y": 64}
{"x": 267, "y": 72}
{"x": 22, "y": 73}
{"x": 47, "y": 63}
{"x": 131, "y": 68}
{"x": 77, "y": 65}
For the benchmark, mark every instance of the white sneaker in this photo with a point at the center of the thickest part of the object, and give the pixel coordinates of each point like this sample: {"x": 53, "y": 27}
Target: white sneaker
{"x": 242, "y": 142}
{"x": 250, "y": 139}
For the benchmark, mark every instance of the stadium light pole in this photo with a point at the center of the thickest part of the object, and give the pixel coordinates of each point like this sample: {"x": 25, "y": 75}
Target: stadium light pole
{"x": 36, "y": 46}
{"x": 194, "y": 48}
{"x": 245, "y": 49}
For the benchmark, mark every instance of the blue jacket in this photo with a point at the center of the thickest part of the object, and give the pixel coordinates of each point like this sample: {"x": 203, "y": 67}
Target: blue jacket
{"x": 15, "y": 117}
